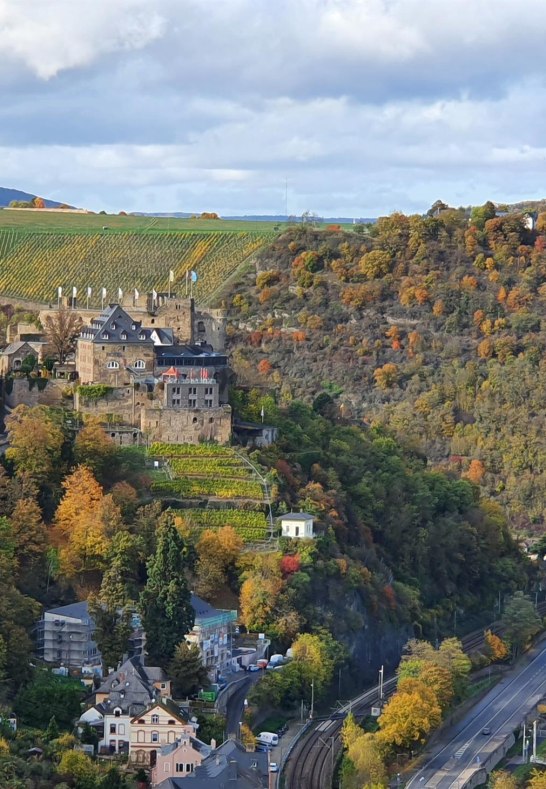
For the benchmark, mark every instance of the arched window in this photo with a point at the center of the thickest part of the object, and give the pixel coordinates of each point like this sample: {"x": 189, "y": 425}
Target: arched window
{"x": 141, "y": 737}
{"x": 140, "y": 364}
{"x": 112, "y": 365}
{"x": 155, "y": 718}
{"x": 155, "y": 736}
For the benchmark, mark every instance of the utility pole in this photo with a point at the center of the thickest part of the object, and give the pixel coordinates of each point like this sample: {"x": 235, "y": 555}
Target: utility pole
{"x": 535, "y": 722}
{"x": 312, "y": 710}
{"x": 381, "y": 673}
{"x": 524, "y": 745}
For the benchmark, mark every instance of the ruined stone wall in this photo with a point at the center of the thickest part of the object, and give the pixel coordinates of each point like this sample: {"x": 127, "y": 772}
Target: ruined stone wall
{"x": 51, "y": 395}
{"x": 179, "y": 426}
{"x": 177, "y": 314}
{"x": 210, "y": 325}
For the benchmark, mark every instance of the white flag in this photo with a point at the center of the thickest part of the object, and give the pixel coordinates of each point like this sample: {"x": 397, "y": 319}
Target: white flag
{"x": 59, "y": 292}
{"x": 171, "y": 276}
{"x": 120, "y": 294}
{"x": 154, "y": 294}
{"x": 137, "y": 294}
{"x": 89, "y": 292}
{"x": 262, "y": 413}
{"x": 103, "y": 293}
{"x": 74, "y": 292}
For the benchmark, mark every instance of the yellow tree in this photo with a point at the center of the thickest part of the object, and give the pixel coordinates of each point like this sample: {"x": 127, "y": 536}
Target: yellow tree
{"x": 537, "y": 781}
{"x": 30, "y": 534}
{"x": 503, "y": 780}
{"x": 409, "y": 716}
{"x": 218, "y": 551}
{"x": 367, "y": 759}
{"x": 495, "y": 647}
{"x": 350, "y": 730}
{"x": 35, "y": 443}
{"x": 93, "y": 448}
{"x": 84, "y": 521}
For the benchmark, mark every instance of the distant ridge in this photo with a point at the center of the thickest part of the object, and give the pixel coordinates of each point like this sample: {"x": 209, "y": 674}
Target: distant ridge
{"x": 345, "y": 220}
{"x": 7, "y": 195}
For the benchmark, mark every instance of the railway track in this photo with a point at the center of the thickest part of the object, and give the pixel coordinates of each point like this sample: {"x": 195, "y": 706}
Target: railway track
{"x": 311, "y": 763}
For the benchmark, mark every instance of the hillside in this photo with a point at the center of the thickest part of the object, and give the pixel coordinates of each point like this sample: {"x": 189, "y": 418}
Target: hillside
{"x": 39, "y": 253}
{"x": 435, "y": 327}
{"x": 7, "y": 195}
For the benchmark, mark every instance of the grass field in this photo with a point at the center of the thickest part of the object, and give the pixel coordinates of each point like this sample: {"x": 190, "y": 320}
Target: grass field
{"x": 41, "y": 252}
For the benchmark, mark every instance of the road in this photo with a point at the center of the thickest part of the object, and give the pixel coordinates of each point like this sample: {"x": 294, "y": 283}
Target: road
{"x": 464, "y": 749}
{"x": 234, "y": 706}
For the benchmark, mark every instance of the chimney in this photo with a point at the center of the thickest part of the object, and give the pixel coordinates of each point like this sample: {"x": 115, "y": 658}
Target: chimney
{"x": 213, "y": 744}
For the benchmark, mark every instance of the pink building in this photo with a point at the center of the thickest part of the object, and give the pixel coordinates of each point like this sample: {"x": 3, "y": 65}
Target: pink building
{"x": 179, "y": 759}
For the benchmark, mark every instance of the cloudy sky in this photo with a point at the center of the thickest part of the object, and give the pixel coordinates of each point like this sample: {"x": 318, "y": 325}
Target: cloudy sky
{"x": 365, "y": 106}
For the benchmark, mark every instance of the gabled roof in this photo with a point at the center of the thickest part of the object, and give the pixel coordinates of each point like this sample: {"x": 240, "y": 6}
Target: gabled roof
{"x": 165, "y": 704}
{"x": 17, "y": 346}
{"x": 296, "y": 516}
{"x": 115, "y": 325}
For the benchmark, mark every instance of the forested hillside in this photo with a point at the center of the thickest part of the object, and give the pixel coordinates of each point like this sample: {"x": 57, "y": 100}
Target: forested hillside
{"x": 432, "y": 326}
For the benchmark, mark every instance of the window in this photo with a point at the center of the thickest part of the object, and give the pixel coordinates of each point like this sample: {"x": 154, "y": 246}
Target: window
{"x": 140, "y": 364}
{"x": 105, "y": 335}
{"x": 142, "y": 336}
{"x": 155, "y": 718}
{"x": 192, "y": 390}
{"x": 166, "y": 767}
{"x": 123, "y": 335}
{"x": 155, "y": 736}
{"x": 112, "y": 728}
{"x": 179, "y": 768}
{"x": 171, "y": 722}
{"x": 121, "y": 728}
{"x": 200, "y": 326}
{"x": 112, "y": 365}
{"x": 142, "y": 720}
{"x": 141, "y": 737}
{"x": 117, "y": 713}
{"x": 208, "y": 390}
{"x": 297, "y": 531}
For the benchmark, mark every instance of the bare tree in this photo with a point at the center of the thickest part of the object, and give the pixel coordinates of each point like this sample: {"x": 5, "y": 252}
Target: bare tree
{"x": 61, "y": 330}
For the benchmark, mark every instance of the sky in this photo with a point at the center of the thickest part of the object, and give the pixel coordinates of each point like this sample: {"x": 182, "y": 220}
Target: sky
{"x": 347, "y": 107}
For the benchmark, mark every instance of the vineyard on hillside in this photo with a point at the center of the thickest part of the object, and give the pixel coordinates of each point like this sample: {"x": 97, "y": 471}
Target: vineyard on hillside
{"x": 213, "y": 473}
{"x": 34, "y": 264}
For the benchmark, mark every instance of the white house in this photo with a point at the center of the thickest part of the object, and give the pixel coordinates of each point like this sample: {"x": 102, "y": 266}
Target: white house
{"x": 297, "y": 525}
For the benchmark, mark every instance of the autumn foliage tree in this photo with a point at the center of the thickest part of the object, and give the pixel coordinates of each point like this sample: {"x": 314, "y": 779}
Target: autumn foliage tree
{"x": 218, "y": 552}
{"x": 35, "y": 443}
{"x": 61, "y": 330}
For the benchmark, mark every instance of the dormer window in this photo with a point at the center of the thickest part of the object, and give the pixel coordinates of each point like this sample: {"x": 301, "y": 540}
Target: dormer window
{"x": 142, "y": 336}
{"x": 112, "y": 366}
{"x": 114, "y": 327}
{"x": 123, "y": 335}
{"x": 105, "y": 335}
{"x": 134, "y": 327}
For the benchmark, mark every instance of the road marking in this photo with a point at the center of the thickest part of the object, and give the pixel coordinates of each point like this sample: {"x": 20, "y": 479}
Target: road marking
{"x": 513, "y": 680}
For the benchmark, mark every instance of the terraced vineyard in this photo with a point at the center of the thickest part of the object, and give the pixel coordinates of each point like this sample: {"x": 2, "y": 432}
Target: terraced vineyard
{"x": 33, "y": 264}
{"x": 211, "y": 472}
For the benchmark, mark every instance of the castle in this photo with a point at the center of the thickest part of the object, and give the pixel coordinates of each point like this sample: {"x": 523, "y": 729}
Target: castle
{"x": 153, "y": 374}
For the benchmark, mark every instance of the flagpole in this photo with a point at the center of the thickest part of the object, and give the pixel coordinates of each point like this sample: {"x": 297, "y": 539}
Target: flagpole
{"x": 87, "y": 300}
{"x": 102, "y": 300}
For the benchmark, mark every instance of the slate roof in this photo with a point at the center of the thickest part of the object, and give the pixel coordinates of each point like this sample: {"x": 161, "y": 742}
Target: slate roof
{"x": 197, "y": 745}
{"x": 131, "y": 687}
{"x": 296, "y": 516}
{"x": 16, "y": 346}
{"x": 190, "y": 356}
{"x": 114, "y": 325}
{"x": 74, "y": 611}
{"x": 228, "y": 767}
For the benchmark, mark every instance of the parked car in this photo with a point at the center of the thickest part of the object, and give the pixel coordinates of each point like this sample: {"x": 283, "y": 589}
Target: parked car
{"x": 253, "y": 667}
{"x": 273, "y": 767}
{"x": 268, "y": 738}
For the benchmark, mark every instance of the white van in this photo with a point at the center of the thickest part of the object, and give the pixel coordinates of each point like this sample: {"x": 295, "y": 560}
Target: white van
{"x": 268, "y": 738}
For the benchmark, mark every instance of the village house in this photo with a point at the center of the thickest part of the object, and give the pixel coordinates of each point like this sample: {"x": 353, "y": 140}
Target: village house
{"x": 229, "y": 765}
{"x": 297, "y": 526}
{"x": 179, "y": 759}
{"x": 160, "y": 724}
{"x": 14, "y": 355}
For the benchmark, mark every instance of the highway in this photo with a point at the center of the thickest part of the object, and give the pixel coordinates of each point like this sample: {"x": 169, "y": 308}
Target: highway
{"x": 502, "y": 710}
